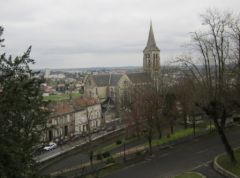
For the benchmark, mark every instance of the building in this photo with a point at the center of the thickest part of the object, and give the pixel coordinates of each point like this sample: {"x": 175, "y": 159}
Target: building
{"x": 113, "y": 86}
{"x": 73, "y": 118}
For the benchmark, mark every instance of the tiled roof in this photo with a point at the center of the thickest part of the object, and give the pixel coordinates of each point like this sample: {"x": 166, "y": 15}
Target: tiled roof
{"x": 83, "y": 102}
{"x": 60, "y": 108}
{"x": 64, "y": 107}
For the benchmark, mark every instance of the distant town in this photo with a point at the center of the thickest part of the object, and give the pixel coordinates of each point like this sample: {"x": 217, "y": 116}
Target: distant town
{"x": 179, "y": 119}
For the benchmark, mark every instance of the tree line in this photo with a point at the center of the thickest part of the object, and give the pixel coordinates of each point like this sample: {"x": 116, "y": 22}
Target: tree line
{"x": 206, "y": 80}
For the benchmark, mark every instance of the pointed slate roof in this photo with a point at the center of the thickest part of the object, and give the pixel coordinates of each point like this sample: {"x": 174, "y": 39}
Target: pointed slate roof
{"x": 106, "y": 79}
{"x": 151, "y": 43}
{"x": 139, "y": 77}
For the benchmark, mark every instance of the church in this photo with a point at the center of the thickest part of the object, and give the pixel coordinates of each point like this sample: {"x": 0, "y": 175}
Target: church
{"x": 105, "y": 86}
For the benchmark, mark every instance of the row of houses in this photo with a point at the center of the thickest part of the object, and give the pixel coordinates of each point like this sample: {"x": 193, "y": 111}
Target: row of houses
{"x": 73, "y": 118}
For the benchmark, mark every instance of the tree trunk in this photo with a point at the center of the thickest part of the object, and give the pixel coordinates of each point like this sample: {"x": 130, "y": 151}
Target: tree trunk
{"x": 210, "y": 126}
{"x": 225, "y": 142}
{"x": 91, "y": 159}
{"x": 171, "y": 126}
{"x": 185, "y": 120}
{"x": 194, "y": 127}
{"x": 124, "y": 151}
{"x": 150, "y": 141}
{"x": 159, "y": 132}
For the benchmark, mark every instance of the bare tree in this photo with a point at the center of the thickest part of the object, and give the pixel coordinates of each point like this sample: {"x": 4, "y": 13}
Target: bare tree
{"x": 210, "y": 72}
{"x": 1, "y": 39}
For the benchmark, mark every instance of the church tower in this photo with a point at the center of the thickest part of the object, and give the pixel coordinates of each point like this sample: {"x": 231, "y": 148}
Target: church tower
{"x": 151, "y": 57}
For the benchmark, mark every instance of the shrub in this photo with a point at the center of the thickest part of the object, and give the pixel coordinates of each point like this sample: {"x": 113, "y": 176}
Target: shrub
{"x": 110, "y": 160}
{"x": 118, "y": 142}
{"x": 99, "y": 156}
{"x": 106, "y": 154}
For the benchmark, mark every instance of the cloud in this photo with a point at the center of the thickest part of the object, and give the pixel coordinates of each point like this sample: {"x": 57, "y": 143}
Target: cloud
{"x": 100, "y": 32}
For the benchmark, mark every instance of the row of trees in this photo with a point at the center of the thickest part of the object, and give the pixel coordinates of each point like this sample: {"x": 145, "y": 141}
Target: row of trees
{"x": 215, "y": 70}
{"x": 149, "y": 109}
{"x": 208, "y": 80}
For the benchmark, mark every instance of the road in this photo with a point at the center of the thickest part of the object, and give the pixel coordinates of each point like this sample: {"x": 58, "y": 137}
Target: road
{"x": 71, "y": 145}
{"x": 81, "y": 157}
{"x": 183, "y": 157}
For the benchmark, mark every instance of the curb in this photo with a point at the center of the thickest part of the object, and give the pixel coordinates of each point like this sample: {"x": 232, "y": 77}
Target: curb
{"x": 221, "y": 170}
{"x": 201, "y": 175}
{"x": 198, "y": 173}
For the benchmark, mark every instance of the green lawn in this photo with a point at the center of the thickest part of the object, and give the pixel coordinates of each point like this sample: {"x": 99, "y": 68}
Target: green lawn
{"x": 112, "y": 146}
{"x": 188, "y": 175}
{"x": 60, "y": 97}
{"x": 226, "y": 164}
{"x": 175, "y": 136}
{"x": 155, "y": 142}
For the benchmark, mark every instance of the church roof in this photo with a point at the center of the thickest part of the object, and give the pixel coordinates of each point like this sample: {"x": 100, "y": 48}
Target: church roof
{"x": 151, "y": 44}
{"x": 106, "y": 79}
{"x": 139, "y": 77}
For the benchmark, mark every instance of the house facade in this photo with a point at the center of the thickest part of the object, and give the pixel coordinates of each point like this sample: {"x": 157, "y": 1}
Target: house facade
{"x": 72, "y": 118}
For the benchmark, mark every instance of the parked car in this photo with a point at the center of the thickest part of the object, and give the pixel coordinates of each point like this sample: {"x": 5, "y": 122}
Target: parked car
{"x": 50, "y": 146}
{"x": 37, "y": 150}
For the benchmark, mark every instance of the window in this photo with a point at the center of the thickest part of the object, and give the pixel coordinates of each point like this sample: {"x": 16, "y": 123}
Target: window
{"x": 111, "y": 93}
{"x": 65, "y": 130}
{"x": 96, "y": 91}
{"x": 68, "y": 118}
{"x": 54, "y": 122}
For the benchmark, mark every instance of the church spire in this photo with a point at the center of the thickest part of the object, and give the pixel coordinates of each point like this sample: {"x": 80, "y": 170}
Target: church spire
{"x": 151, "y": 57}
{"x": 151, "y": 43}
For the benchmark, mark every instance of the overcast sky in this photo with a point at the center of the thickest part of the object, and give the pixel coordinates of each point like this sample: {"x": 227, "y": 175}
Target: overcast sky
{"x": 93, "y": 33}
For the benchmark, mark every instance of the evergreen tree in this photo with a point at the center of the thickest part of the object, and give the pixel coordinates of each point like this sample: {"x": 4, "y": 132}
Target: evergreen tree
{"x": 22, "y": 115}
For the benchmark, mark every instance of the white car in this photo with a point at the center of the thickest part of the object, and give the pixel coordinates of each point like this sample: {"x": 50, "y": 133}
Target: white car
{"x": 50, "y": 146}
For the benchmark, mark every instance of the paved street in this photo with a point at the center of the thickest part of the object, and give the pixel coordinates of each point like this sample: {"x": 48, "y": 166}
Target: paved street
{"x": 182, "y": 157}
{"x": 80, "y": 157}
{"x": 70, "y": 145}
{"x": 208, "y": 171}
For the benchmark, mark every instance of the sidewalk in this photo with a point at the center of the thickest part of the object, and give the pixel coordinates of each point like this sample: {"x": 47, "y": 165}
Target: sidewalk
{"x": 70, "y": 146}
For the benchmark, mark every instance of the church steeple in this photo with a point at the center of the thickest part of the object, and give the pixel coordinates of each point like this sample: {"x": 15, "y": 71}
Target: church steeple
{"x": 151, "y": 43}
{"x": 151, "y": 56}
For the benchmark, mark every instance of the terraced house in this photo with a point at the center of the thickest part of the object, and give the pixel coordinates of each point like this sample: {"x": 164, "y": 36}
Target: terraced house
{"x": 73, "y": 118}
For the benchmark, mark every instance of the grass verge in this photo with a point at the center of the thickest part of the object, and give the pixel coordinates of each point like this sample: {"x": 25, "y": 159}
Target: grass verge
{"x": 175, "y": 136}
{"x": 224, "y": 162}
